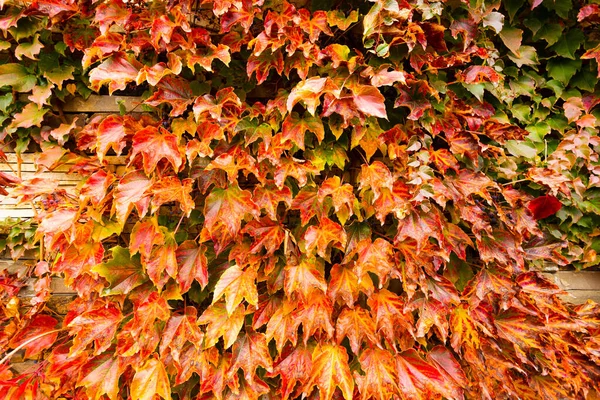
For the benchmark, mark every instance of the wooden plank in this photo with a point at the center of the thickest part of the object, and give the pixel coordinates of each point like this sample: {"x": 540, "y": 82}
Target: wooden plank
{"x": 579, "y": 280}
{"x": 29, "y": 158}
{"x": 57, "y": 287}
{"x": 18, "y": 213}
{"x": 582, "y": 296}
{"x": 16, "y": 267}
{"x": 96, "y": 103}
{"x": 23, "y": 366}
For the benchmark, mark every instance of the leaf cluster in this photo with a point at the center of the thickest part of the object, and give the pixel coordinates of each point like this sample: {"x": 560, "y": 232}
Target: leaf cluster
{"x": 323, "y": 199}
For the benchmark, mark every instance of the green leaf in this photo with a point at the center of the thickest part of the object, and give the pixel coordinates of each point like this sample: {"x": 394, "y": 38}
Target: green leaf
{"x": 476, "y": 89}
{"x": 512, "y": 6}
{"x": 563, "y": 69}
{"x": 522, "y": 112}
{"x": 527, "y": 55}
{"x": 60, "y": 48}
{"x": 27, "y": 27}
{"x": 5, "y": 101}
{"x": 521, "y": 149}
{"x": 561, "y": 7}
{"x": 538, "y": 131}
{"x": 551, "y": 33}
{"x": 585, "y": 80}
{"x": 568, "y": 44}
{"x": 123, "y": 272}
{"x": 558, "y": 122}
{"x": 16, "y": 75}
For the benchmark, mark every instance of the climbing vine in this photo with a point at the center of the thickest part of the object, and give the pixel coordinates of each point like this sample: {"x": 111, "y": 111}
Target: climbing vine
{"x": 322, "y": 199}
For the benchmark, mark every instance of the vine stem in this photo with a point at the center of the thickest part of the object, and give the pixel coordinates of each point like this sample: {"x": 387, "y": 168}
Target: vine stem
{"x": 25, "y": 343}
{"x": 517, "y": 181}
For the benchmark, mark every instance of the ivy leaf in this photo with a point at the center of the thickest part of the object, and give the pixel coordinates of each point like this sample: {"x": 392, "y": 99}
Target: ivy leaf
{"x": 228, "y": 207}
{"x": 477, "y": 74}
{"x": 192, "y": 264}
{"x": 568, "y": 44}
{"x": 267, "y": 234}
{"x": 304, "y": 278}
{"x": 294, "y": 366}
{"x": 16, "y": 76}
{"x": 380, "y": 378}
{"x": 154, "y": 144}
{"x": 250, "y": 351}
{"x": 263, "y": 63}
{"x": 512, "y": 38}
{"x": 36, "y": 336}
{"x": 313, "y": 26}
{"x": 100, "y": 376}
{"x": 416, "y": 376}
{"x": 171, "y": 189}
{"x": 144, "y": 236}
{"x": 345, "y": 285}
{"x": 337, "y": 18}
{"x": 122, "y": 272}
{"x": 390, "y": 319}
{"x": 544, "y": 206}
{"x": 283, "y": 324}
{"x": 236, "y": 284}
{"x": 97, "y": 326}
{"x": 150, "y": 379}
{"x": 444, "y": 361}
{"x": 29, "y": 50}
{"x": 130, "y": 191}
{"x": 111, "y": 134}
{"x": 591, "y": 53}
{"x": 174, "y": 91}
{"x": 221, "y": 323}
{"x": 330, "y": 370}
{"x": 358, "y": 326}
{"x": 118, "y": 70}
{"x": 562, "y": 69}
{"x": 179, "y": 330}
{"x": 369, "y": 100}
{"x": 296, "y": 168}
{"x": 294, "y": 128}
{"x": 309, "y": 91}
{"x": 233, "y": 161}
{"x": 320, "y": 237}
{"x": 32, "y": 115}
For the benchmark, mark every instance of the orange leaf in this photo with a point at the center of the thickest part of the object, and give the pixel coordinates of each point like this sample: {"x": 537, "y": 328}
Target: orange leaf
{"x": 100, "y": 376}
{"x": 330, "y": 370}
{"x": 320, "y": 237}
{"x": 236, "y": 284}
{"x": 380, "y": 378}
{"x": 221, "y": 323}
{"x": 150, "y": 379}
{"x": 358, "y": 326}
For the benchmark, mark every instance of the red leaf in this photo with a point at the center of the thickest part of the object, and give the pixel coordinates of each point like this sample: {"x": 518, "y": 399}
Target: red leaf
{"x": 117, "y": 71}
{"x": 174, "y": 91}
{"x": 96, "y": 326}
{"x": 155, "y": 144}
{"x": 544, "y": 206}
{"x": 192, "y": 263}
{"x": 40, "y": 326}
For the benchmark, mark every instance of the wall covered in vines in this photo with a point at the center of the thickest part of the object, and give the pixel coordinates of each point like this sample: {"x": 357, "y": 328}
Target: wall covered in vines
{"x": 324, "y": 199}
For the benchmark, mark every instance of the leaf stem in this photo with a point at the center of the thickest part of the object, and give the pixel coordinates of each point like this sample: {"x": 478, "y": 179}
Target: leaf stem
{"x": 517, "y": 181}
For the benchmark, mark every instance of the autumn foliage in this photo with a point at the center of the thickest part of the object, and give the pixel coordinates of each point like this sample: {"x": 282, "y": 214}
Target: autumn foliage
{"x": 323, "y": 199}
